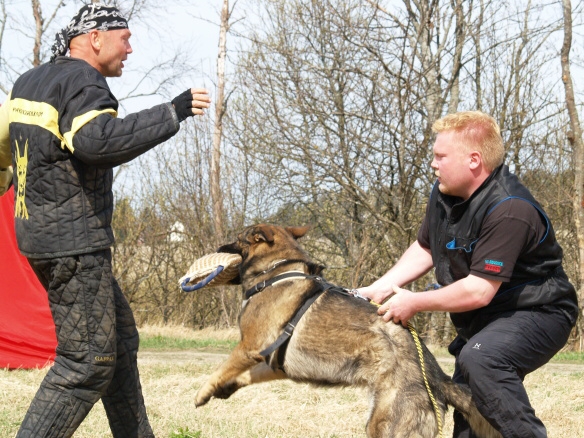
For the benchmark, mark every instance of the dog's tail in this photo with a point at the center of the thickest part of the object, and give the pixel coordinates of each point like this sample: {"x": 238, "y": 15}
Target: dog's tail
{"x": 460, "y": 398}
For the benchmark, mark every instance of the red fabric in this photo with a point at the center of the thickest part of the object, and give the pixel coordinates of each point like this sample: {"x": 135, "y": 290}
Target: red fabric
{"x": 27, "y": 331}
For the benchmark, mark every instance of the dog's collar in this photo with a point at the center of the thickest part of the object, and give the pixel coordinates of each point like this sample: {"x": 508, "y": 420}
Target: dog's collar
{"x": 279, "y": 263}
{"x": 266, "y": 283}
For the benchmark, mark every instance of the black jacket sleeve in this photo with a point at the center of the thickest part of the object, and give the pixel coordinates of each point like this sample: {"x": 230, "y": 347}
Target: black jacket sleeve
{"x": 97, "y": 137}
{"x": 108, "y": 141}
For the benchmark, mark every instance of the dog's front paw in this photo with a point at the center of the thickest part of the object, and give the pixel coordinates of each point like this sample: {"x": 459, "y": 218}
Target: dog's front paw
{"x": 226, "y": 391}
{"x": 203, "y": 396}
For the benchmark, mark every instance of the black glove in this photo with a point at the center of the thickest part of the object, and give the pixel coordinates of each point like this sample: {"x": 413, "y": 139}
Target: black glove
{"x": 183, "y": 105}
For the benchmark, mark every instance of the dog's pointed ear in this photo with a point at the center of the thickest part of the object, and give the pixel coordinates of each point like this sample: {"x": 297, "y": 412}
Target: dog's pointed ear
{"x": 298, "y": 232}
{"x": 262, "y": 234}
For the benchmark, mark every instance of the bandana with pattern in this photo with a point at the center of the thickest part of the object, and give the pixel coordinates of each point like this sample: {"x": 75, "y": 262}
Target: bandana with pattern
{"x": 92, "y": 16}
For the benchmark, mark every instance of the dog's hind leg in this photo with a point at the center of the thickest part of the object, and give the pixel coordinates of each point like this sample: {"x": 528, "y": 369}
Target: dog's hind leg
{"x": 381, "y": 414}
{"x": 459, "y": 397}
{"x": 221, "y": 382}
{"x": 398, "y": 413}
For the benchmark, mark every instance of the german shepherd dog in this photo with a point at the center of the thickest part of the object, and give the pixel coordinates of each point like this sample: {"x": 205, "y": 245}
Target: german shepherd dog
{"x": 340, "y": 340}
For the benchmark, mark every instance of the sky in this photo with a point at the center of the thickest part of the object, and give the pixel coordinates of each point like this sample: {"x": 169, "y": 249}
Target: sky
{"x": 188, "y": 27}
{"x": 191, "y": 29}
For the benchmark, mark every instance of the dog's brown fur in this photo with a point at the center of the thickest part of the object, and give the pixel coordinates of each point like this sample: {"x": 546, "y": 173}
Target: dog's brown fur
{"x": 339, "y": 341}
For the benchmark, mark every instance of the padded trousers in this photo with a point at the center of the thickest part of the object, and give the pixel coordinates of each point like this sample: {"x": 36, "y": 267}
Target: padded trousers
{"x": 97, "y": 347}
{"x": 495, "y": 361}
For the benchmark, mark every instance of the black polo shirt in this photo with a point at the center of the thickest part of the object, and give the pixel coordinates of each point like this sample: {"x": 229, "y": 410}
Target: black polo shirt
{"x": 513, "y": 229}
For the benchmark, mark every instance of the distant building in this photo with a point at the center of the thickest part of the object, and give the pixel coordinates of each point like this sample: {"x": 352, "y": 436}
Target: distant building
{"x": 177, "y": 232}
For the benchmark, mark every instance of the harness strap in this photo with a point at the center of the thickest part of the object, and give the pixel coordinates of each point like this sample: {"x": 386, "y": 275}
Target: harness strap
{"x": 289, "y": 329}
{"x": 280, "y": 343}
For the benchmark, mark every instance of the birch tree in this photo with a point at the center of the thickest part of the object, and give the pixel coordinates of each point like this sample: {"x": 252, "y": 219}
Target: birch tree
{"x": 575, "y": 139}
{"x": 216, "y": 191}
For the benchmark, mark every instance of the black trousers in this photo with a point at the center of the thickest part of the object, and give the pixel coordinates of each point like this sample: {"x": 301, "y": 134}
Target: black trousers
{"x": 96, "y": 352}
{"x": 495, "y": 361}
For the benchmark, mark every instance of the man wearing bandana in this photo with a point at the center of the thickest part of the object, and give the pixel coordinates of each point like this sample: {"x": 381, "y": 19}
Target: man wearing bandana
{"x": 61, "y": 123}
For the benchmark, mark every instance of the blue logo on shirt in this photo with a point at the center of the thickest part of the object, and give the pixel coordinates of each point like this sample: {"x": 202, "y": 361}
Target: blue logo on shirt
{"x": 493, "y": 265}
{"x": 494, "y": 262}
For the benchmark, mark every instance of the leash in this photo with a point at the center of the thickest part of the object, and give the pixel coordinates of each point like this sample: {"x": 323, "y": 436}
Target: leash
{"x": 414, "y": 333}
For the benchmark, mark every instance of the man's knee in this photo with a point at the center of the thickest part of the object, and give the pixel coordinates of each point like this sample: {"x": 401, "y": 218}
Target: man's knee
{"x": 100, "y": 373}
{"x": 474, "y": 363}
{"x": 94, "y": 373}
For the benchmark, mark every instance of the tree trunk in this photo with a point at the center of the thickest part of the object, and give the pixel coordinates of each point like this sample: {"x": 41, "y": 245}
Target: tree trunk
{"x": 38, "y": 21}
{"x": 575, "y": 138}
{"x": 216, "y": 195}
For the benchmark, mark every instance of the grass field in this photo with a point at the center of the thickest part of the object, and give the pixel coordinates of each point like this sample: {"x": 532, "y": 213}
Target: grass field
{"x": 174, "y": 363}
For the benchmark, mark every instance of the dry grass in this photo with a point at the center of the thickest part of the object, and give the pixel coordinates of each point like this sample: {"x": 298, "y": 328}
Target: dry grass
{"x": 278, "y": 409}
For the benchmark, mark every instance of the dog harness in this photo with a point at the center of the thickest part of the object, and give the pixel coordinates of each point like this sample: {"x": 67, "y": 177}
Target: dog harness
{"x": 281, "y": 342}
{"x": 323, "y": 286}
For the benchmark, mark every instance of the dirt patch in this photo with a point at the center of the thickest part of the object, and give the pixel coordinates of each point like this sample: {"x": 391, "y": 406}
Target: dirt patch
{"x": 181, "y": 357}
{"x": 551, "y": 367}
{"x": 187, "y": 356}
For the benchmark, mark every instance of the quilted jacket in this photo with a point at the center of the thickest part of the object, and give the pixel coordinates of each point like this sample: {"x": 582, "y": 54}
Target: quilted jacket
{"x": 5, "y": 160}
{"x": 66, "y": 138}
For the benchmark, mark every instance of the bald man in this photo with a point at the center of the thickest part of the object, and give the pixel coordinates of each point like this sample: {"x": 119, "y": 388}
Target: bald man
{"x": 61, "y": 123}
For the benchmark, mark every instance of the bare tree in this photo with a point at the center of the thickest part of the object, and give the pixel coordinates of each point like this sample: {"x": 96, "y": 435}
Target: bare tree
{"x": 575, "y": 138}
{"x": 331, "y": 105}
{"x": 216, "y": 192}
{"x": 337, "y": 102}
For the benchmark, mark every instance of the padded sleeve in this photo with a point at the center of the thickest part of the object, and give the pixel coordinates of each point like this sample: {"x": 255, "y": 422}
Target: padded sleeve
{"x": 108, "y": 141}
{"x": 96, "y": 136}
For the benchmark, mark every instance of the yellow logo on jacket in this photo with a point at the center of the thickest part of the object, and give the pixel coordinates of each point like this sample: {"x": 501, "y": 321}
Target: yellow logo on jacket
{"x": 20, "y": 210}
